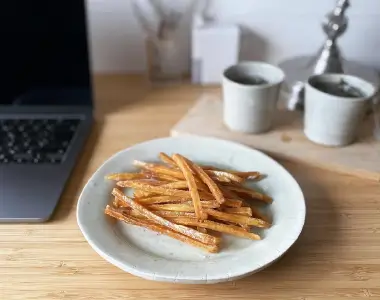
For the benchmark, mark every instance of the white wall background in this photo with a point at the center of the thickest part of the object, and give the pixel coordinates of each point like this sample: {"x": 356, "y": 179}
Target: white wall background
{"x": 275, "y": 29}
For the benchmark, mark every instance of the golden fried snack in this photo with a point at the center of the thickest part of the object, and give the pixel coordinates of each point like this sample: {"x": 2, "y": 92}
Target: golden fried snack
{"x": 160, "y": 200}
{"x": 233, "y": 203}
{"x": 258, "y": 214}
{"x": 163, "y": 213}
{"x": 238, "y": 219}
{"x": 204, "y": 238}
{"x": 245, "y": 211}
{"x": 151, "y": 181}
{"x": 167, "y": 159}
{"x": 155, "y": 168}
{"x": 117, "y": 203}
{"x": 182, "y": 206}
{"x": 182, "y": 185}
{"x": 227, "y": 193}
{"x": 223, "y": 175}
{"x": 153, "y": 189}
{"x": 148, "y": 188}
{"x": 248, "y": 175}
{"x": 157, "y": 176}
{"x": 142, "y": 194}
{"x": 120, "y": 203}
{"x": 230, "y": 229}
{"x": 193, "y": 189}
{"x": 182, "y": 198}
{"x": 253, "y": 175}
{"x": 246, "y": 228}
{"x": 160, "y": 170}
{"x": 233, "y": 200}
{"x": 201, "y": 229}
{"x": 126, "y": 176}
{"x": 251, "y": 193}
{"x": 177, "y": 185}
{"x": 213, "y": 248}
{"x": 213, "y": 187}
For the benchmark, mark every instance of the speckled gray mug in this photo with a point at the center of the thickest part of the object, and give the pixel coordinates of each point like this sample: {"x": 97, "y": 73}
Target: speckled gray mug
{"x": 332, "y": 119}
{"x": 250, "y": 95}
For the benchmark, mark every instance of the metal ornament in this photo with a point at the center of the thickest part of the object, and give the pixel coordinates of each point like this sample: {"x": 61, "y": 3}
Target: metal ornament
{"x": 327, "y": 60}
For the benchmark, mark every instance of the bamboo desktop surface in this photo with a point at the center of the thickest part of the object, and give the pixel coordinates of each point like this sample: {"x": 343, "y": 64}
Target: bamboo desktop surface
{"x": 336, "y": 257}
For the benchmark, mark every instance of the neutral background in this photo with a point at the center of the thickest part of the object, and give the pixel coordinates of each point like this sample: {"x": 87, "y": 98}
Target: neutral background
{"x": 273, "y": 30}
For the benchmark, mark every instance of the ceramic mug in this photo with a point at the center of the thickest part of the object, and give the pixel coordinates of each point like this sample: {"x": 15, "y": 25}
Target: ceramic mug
{"x": 332, "y": 117}
{"x": 250, "y": 94}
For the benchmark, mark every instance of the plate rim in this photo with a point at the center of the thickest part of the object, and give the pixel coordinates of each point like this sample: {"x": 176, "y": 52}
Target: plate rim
{"x": 125, "y": 266}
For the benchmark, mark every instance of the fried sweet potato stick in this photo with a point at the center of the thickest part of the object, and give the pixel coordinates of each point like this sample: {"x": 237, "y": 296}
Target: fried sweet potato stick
{"x": 259, "y": 215}
{"x": 223, "y": 174}
{"x": 146, "y": 187}
{"x": 176, "y": 173}
{"x": 245, "y": 211}
{"x": 155, "y": 168}
{"x": 238, "y": 219}
{"x": 244, "y": 175}
{"x": 227, "y": 193}
{"x": 251, "y": 193}
{"x": 233, "y": 203}
{"x": 142, "y": 194}
{"x": 126, "y": 176}
{"x": 160, "y": 229}
{"x": 204, "y": 238}
{"x": 253, "y": 175}
{"x": 160, "y": 200}
{"x": 244, "y": 227}
{"x": 167, "y": 159}
{"x": 163, "y": 170}
{"x": 173, "y": 192}
{"x": 162, "y": 213}
{"x": 213, "y": 187}
{"x": 154, "y": 189}
{"x": 157, "y": 176}
{"x": 193, "y": 189}
{"x": 151, "y": 181}
{"x": 233, "y": 199}
{"x": 120, "y": 203}
{"x": 177, "y": 185}
{"x": 248, "y": 175}
{"x": 229, "y": 229}
{"x": 168, "y": 215}
{"x": 182, "y": 206}
{"x": 183, "y": 185}
{"x": 117, "y": 203}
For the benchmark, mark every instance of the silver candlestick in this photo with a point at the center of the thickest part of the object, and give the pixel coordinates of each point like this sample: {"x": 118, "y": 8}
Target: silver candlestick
{"x": 327, "y": 60}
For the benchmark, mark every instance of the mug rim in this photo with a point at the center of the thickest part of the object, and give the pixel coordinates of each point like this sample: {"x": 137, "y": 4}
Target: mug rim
{"x": 339, "y": 75}
{"x": 254, "y": 63}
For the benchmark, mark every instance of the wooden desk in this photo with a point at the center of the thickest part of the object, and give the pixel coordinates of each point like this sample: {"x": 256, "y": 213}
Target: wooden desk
{"x": 337, "y": 256}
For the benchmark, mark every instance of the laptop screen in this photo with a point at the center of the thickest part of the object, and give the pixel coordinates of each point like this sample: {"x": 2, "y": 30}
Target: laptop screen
{"x": 44, "y": 57}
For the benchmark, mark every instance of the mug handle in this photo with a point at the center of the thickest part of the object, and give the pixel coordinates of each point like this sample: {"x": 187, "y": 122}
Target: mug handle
{"x": 376, "y": 115}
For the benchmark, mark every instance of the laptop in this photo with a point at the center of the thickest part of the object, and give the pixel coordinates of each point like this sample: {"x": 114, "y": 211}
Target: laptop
{"x": 45, "y": 103}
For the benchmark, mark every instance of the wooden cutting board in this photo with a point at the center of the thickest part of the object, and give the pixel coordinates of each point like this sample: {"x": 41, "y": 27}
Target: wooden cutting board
{"x": 287, "y": 140}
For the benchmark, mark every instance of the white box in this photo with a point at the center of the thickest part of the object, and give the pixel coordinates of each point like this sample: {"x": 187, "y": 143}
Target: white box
{"x": 214, "y": 48}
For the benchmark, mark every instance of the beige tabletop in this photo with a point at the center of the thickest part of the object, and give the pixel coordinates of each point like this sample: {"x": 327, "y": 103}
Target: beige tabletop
{"x": 336, "y": 257}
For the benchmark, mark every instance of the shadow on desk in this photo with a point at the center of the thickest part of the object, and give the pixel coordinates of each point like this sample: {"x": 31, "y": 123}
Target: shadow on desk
{"x": 113, "y": 92}
{"x": 319, "y": 242}
{"x": 76, "y": 180}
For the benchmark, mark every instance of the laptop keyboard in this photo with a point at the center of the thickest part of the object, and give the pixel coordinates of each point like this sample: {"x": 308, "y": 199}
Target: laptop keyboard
{"x": 35, "y": 141}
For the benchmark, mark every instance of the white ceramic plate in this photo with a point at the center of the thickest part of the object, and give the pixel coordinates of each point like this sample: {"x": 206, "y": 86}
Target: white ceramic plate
{"x": 157, "y": 257}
